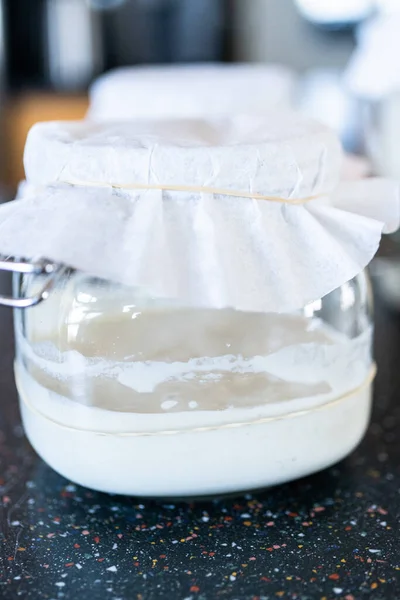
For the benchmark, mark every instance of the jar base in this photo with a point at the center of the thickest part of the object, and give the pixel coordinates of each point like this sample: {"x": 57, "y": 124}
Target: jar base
{"x": 209, "y": 462}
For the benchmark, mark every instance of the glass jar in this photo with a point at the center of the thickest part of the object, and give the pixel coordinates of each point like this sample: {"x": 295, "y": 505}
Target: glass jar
{"x": 133, "y": 395}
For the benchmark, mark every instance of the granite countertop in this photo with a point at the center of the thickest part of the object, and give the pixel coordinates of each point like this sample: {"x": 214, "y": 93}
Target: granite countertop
{"x": 331, "y": 536}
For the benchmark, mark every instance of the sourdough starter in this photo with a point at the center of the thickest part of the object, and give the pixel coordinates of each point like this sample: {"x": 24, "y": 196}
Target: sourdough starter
{"x": 162, "y": 401}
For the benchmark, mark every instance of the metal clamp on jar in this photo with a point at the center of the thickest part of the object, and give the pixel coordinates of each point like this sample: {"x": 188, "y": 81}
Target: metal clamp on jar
{"x": 42, "y": 268}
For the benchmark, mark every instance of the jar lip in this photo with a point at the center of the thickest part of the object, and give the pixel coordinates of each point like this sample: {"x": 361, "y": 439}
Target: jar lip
{"x": 51, "y": 270}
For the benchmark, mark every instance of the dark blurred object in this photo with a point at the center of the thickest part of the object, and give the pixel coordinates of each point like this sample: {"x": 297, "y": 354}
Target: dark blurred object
{"x": 162, "y": 31}
{"x": 105, "y": 4}
{"x": 2, "y": 46}
{"x": 23, "y": 22}
{"x": 52, "y": 43}
{"x": 275, "y": 31}
{"x": 63, "y": 44}
{"x": 386, "y": 271}
{"x": 3, "y": 191}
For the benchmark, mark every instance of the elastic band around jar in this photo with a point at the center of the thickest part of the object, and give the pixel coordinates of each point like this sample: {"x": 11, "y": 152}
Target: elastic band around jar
{"x": 190, "y": 189}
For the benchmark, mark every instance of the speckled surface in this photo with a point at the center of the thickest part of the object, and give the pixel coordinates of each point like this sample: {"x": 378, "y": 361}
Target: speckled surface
{"x": 332, "y": 536}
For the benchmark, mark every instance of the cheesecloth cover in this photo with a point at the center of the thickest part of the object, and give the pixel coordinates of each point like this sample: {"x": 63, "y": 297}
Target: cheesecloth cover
{"x": 243, "y": 212}
{"x": 194, "y": 91}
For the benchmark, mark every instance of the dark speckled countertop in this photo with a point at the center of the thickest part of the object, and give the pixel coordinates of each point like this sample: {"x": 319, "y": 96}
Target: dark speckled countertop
{"x": 331, "y": 536}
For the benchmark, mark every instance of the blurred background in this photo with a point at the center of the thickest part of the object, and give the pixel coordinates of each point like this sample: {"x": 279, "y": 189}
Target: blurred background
{"x": 51, "y": 51}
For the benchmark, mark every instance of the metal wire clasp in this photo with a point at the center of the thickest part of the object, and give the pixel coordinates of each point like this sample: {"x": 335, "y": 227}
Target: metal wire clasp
{"x": 51, "y": 271}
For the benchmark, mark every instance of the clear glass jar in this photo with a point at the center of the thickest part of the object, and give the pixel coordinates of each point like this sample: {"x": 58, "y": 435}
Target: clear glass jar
{"x": 131, "y": 395}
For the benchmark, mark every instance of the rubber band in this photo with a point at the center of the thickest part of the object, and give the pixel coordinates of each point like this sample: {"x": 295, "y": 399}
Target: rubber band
{"x": 190, "y": 189}
{"x": 296, "y": 414}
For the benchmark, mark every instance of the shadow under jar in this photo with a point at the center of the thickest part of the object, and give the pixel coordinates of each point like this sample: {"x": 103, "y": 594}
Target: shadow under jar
{"x": 132, "y": 395}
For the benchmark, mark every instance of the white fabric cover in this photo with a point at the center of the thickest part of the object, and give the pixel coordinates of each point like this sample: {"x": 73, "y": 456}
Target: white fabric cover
{"x": 190, "y": 91}
{"x": 200, "y": 247}
{"x": 284, "y": 156}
